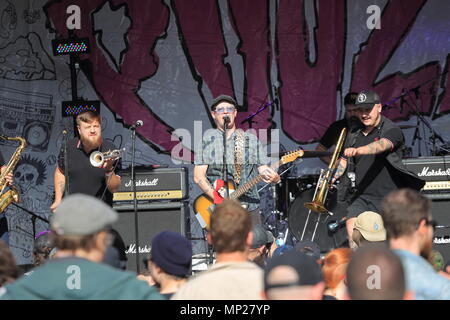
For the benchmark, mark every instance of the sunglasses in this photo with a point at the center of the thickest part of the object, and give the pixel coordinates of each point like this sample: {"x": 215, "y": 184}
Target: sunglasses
{"x": 222, "y": 110}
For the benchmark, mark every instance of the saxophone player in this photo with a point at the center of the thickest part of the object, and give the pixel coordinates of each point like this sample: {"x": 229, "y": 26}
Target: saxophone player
{"x": 3, "y": 222}
{"x": 9, "y": 176}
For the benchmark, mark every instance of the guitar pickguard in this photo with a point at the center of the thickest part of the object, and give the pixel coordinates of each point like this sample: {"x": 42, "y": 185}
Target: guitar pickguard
{"x": 223, "y": 192}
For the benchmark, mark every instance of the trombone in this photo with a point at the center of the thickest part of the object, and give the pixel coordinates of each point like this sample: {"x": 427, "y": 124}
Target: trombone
{"x": 325, "y": 178}
{"x": 323, "y": 184}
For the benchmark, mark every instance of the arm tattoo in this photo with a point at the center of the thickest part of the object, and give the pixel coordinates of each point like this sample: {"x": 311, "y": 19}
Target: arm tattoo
{"x": 205, "y": 185}
{"x": 62, "y": 186}
{"x": 379, "y": 146}
{"x": 340, "y": 169}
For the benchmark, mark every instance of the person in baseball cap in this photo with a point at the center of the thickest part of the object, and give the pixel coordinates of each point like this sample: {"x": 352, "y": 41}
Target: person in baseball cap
{"x": 368, "y": 227}
{"x": 350, "y": 121}
{"x": 309, "y": 247}
{"x": 261, "y": 245}
{"x": 293, "y": 276}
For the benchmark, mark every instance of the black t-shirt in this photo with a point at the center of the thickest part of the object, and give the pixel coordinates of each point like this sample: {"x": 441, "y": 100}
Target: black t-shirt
{"x": 2, "y": 161}
{"x": 83, "y": 176}
{"x": 375, "y": 177}
{"x": 331, "y": 136}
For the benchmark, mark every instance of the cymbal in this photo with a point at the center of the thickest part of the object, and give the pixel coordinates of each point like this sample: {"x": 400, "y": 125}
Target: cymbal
{"x": 407, "y": 126}
{"x": 306, "y": 154}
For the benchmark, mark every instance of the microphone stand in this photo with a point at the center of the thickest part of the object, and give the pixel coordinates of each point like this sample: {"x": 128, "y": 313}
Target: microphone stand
{"x": 416, "y": 110}
{"x": 434, "y": 134}
{"x": 33, "y": 217}
{"x": 66, "y": 164}
{"x": 224, "y": 167}
{"x": 133, "y": 183}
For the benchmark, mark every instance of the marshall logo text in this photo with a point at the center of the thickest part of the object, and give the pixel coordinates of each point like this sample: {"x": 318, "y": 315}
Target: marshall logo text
{"x": 132, "y": 249}
{"x": 143, "y": 183}
{"x": 426, "y": 172}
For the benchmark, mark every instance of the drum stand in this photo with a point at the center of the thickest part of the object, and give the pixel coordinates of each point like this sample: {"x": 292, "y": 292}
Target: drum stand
{"x": 280, "y": 215}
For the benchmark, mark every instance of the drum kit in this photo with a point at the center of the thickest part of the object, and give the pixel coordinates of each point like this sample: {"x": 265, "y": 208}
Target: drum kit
{"x": 290, "y": 197}
{"x": 309, "y": 204}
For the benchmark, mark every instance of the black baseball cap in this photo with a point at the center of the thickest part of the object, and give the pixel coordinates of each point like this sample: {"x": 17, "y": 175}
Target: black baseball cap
{"x": 223, "y": 98}
{"x": 367, "y": 99}
{"x": 307, "y": 270}
{"x": 261, "y": 237}
{"x": 350, "y": 98}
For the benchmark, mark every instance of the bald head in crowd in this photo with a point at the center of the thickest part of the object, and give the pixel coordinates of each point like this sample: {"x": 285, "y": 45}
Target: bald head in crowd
{"x": 376, "y": 273}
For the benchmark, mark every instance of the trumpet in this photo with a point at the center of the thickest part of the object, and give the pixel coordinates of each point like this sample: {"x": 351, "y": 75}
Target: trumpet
{"x": 97, "y": 158}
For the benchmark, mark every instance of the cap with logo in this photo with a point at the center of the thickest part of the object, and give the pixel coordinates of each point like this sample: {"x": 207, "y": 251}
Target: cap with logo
{"x": 371, "y": 226}
{"x": 367, "y": 99}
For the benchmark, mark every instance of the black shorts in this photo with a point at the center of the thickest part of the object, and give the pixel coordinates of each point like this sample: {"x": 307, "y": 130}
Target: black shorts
{"x": 362, "y": 204}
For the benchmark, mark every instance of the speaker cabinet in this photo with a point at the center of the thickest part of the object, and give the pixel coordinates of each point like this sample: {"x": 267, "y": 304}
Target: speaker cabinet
{"x": 153, "y": 218}
{"x": 441, "y": 214}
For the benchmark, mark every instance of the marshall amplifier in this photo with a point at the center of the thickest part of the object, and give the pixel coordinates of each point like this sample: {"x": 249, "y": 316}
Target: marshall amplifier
{"x": 436, "y": 173}
{"x": 153, "y": 184}
{"x": 153, "y": 218}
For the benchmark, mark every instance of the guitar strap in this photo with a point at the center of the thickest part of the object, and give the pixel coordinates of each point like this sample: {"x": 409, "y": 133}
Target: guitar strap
{"x": 238, "y": 155}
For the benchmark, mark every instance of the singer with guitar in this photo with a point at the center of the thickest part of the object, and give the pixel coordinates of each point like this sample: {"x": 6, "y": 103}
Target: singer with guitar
{"x": 244, "y": 160}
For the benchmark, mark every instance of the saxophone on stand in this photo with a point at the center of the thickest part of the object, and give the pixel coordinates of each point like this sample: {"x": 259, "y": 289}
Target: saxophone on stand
{"x": 12, "y": 195}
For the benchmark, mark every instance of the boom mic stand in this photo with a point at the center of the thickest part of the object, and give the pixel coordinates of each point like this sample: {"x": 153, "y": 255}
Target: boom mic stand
{"x": 250, "y": 117}
{"x": 415, "y": 108}
{"x": 33, "y": 217}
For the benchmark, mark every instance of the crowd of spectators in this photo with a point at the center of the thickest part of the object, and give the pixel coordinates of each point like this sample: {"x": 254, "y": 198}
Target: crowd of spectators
{"x": 81, "y": 257}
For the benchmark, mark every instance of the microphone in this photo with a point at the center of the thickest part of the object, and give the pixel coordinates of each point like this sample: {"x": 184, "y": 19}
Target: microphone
{"x": 335, "y": 226}
{"x": 137, "y": 124}
{"x": 226, "y": 121}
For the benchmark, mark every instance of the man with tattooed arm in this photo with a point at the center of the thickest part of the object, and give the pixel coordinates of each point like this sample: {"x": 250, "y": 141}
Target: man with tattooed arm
{"x": 372, "y": 158}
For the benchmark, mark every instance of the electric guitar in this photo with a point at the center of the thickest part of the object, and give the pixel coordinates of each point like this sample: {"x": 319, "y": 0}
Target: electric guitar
{"x": 204, "y": 205}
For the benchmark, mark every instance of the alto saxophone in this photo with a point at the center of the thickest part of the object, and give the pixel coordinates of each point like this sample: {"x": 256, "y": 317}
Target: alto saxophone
{"x": 12, "y": 194}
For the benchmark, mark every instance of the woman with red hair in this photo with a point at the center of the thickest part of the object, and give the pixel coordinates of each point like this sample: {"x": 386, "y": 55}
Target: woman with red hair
{"x": 334, "y": 267}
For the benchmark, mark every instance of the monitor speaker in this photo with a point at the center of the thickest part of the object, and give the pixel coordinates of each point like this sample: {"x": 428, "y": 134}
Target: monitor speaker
{"x": 153, "y": 218}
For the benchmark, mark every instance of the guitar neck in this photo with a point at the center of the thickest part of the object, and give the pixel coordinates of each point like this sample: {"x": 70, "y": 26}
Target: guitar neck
{"x": 250, "y": 184}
